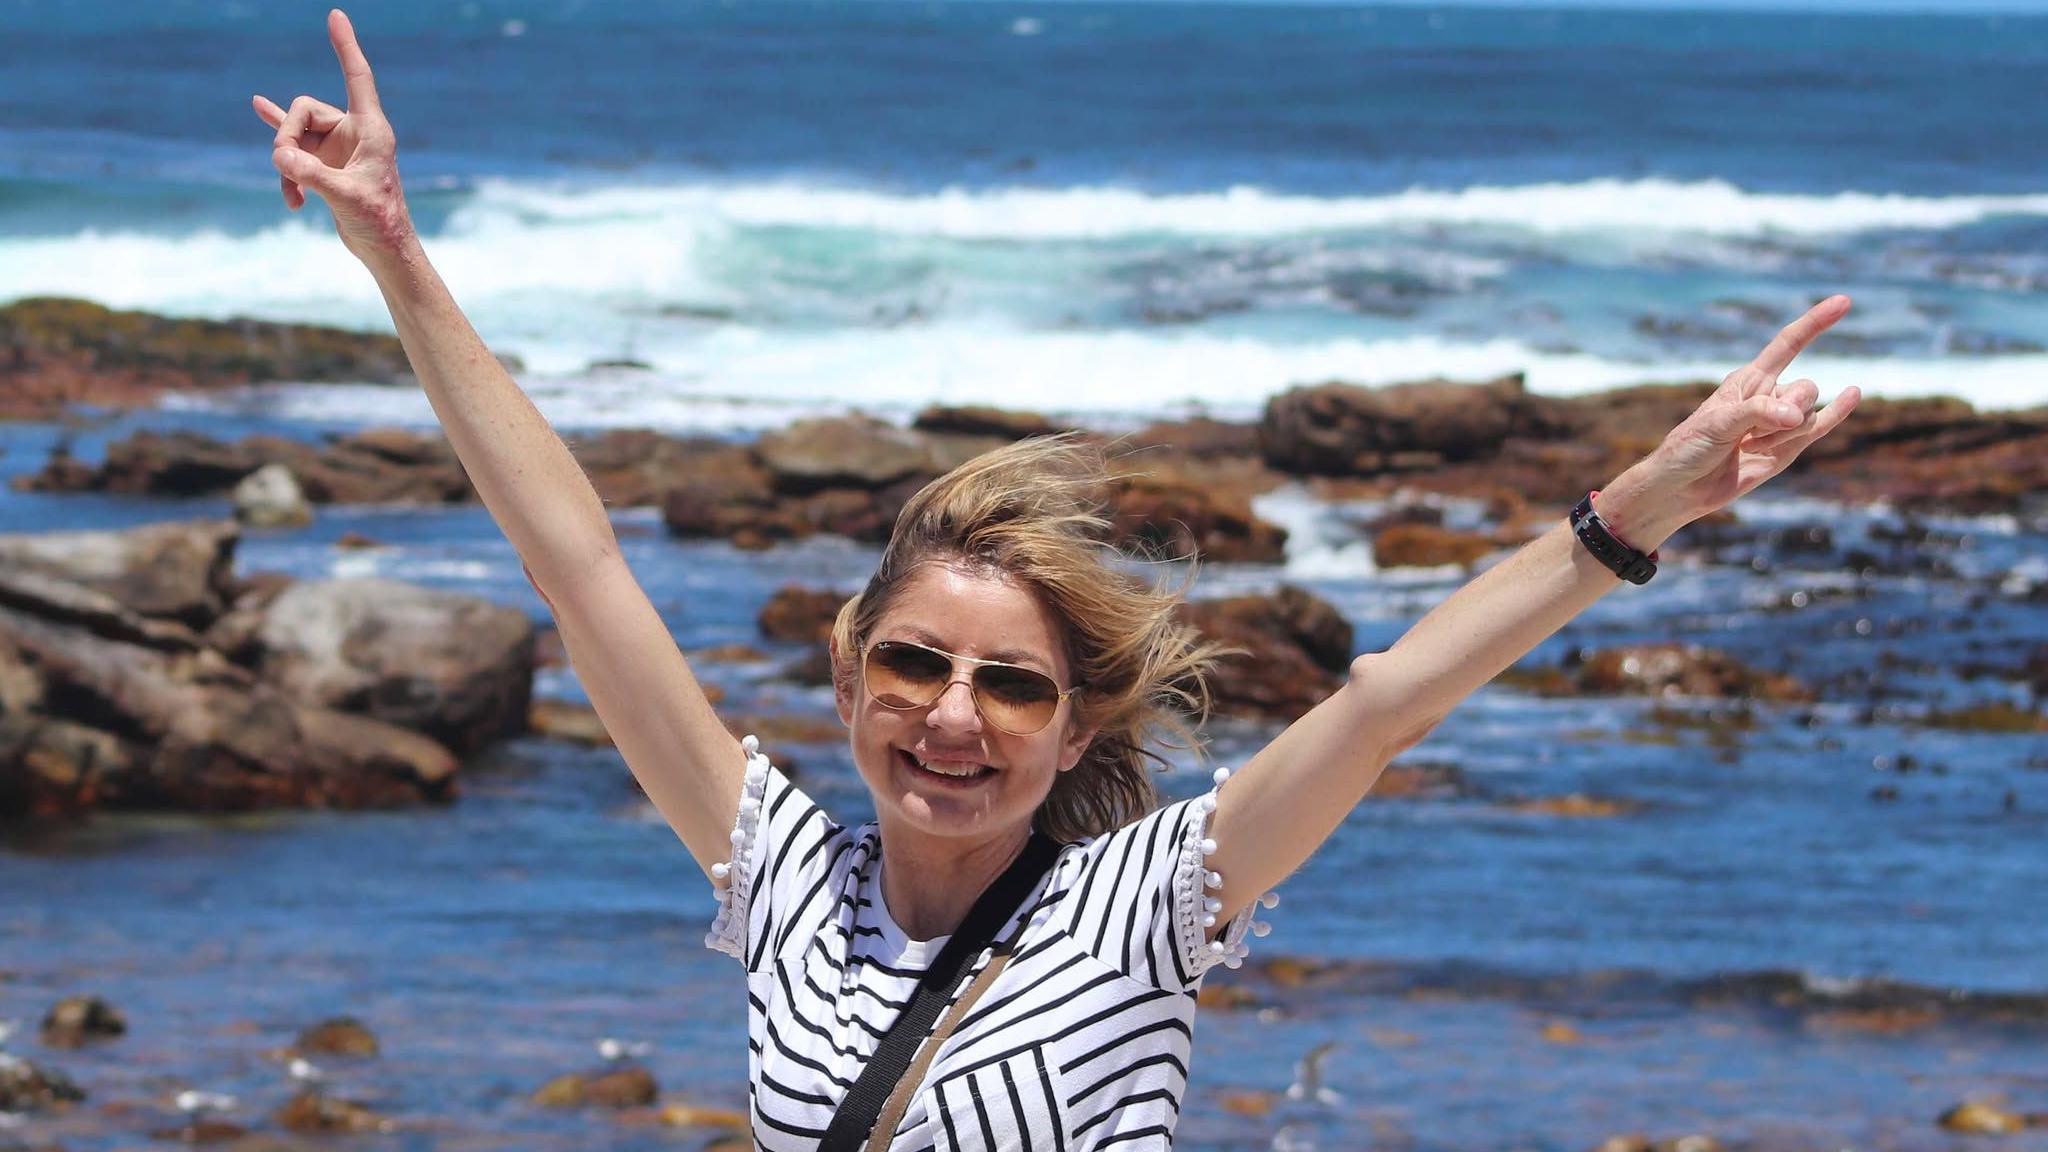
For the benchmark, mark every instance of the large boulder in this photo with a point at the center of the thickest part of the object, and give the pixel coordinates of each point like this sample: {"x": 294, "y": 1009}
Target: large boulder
{"x": 108, "y": 724}
{"x": 843, "y": 452}
{"x": 454, "y": 667}
{"x": 1346, "y": 430}
{"x": 181, "y": 571}
{"x": 1174, "y": 512}
{"x": 1289, "y": 651}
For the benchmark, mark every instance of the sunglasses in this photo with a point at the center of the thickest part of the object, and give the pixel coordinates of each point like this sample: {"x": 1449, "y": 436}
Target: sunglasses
{"x": 1010, "y": 697}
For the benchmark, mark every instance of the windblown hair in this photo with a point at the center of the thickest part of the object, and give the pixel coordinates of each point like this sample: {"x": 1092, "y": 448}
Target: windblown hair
{"x": 1031, "y": 512}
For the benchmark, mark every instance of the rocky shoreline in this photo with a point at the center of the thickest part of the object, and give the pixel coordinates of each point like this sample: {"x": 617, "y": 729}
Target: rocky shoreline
{"x": 137, "y": 670}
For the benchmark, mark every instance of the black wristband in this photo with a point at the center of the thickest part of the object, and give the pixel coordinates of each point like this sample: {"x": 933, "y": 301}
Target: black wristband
{"x": 1607, "y": 548}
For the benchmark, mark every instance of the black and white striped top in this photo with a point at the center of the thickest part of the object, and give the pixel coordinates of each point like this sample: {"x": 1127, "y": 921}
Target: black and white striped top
{"x": 1082, "y": 1042}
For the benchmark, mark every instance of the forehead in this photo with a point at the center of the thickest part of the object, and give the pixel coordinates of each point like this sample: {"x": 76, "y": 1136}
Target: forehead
{"x": 976, "y": 613}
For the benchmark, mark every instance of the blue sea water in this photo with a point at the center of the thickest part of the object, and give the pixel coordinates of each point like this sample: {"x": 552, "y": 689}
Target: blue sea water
{"x": 1123, "y": 206}
{"x": 1114, "y": 210}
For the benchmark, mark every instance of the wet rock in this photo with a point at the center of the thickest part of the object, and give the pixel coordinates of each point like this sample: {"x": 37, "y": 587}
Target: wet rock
{"x": 1426, "y": 546}
{"x": 340, "y": 1036}
{"x": 1419, "y": 781}
{"x": 1291, "y": 650}
{"x": 800, "y": 615}
{"x": 180, "y": 571}
{"x": 270, "y": 497}
{"x": 1980, "y": 1118}
{"x": 699, "y": 1116}
{"x": 784, "y": 730}
{"x": 843, "y": 452}
{"x": 1000, "y": 424}
{"x": 1932, "y": 454}
{"x": 353, "y": 541}
{"x": 311, "y": 1112}
{"x": 1247, "y": 1101}
{"x": 76, "y": 1020}
{"x": 186, "y": 730}
{"x": 628, "y": 1086}
{"x": 574, "y": 723}
{"x": 1199, "y": 438}
{"x": 456, "y": 668}
{"x": 1680, "y": 670}
{"x": 1176, "y": 514}
{"x": 1575, "y": 806}
{"x": 25, "y": 1087}
{"x": 1345, "y": 430}
{"x": 57, "y": 352}
{"x": 1996, "y": 716}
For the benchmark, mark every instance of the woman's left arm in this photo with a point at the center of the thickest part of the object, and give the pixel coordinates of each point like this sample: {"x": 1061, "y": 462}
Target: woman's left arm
{"x": 1276, "y": 811}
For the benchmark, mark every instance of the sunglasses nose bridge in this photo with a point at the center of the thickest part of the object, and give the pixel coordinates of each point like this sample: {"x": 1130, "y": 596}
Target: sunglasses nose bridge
{"x": 959, "y": 708}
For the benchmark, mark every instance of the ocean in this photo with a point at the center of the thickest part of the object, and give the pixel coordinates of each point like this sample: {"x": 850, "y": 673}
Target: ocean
{"x": 719, "y": 217}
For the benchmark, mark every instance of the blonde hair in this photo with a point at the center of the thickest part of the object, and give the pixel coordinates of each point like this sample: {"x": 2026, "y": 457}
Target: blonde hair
{"x": 1032, "y": 512}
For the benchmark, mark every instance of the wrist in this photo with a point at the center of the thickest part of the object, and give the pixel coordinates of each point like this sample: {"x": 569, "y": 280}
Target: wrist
{"x": 1632, "y": 510}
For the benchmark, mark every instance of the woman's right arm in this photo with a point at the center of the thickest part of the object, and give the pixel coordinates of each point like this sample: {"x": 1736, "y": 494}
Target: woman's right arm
{"x": 637, "y": 679}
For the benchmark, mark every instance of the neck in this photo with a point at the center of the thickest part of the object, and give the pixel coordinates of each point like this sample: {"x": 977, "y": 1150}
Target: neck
{"x": 931, "y": 883}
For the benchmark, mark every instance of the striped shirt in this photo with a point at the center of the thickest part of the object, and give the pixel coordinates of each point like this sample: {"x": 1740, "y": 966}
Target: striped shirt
{"x": 1082, "y": 1042}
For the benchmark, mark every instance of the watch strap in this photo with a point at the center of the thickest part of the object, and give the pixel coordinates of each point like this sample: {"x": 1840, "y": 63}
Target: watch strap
{"x": 1608, "y": 548}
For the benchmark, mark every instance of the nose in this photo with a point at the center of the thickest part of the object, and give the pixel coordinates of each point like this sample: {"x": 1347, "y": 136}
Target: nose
{"x": 955, "y": 710}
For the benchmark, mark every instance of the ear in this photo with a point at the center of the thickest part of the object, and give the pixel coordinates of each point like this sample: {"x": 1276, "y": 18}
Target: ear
{"x": 1075, "y": 744}
{"x": 843, "y": 674}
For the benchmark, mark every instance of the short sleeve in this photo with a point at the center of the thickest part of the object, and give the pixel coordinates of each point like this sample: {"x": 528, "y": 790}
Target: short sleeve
{"x": 1144, "y": 898}
{"x": 779, "y": 840}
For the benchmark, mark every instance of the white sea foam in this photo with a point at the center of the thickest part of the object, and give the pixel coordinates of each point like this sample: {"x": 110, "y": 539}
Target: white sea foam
{"x": 1711, "y": 207}
{"x": 739, "y": 378}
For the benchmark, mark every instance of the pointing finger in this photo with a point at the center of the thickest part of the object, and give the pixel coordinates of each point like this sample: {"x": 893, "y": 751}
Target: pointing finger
{"x": 355, "y": 67}
{"x": 1778, "y": 354}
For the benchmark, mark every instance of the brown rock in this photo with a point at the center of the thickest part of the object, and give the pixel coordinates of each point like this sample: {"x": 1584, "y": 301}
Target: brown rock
{"x": 1682, "y": 670}
{"x": 779, "y": 730}
{"x": 1165, "y": 513}
{"x": 800, "y": 615}
{"x": 312, "y": 1112}
{"x": 456, "y": 668}
{"x": 843, "y": 452}
{"x": 1000, "y": 424}
{"x": 59, "y": 352}
{"x": 1290, "y": 650}
{"x": 1981, "y": 1118}
{"x": 1417, "y": 781}
{"x": 1345, "y": 430}
{"x": 1575, "y": 806}
{"x": 353, "y": 541}
{"x": 202, "y": 1132}
{"x": 340, "y": 1036}
{"x": 24, "y": 1087}
{"x": 1198, "y": 438}
{"x": 562, "y": 720}
{"x": 629, "y": 1086}
{"x": 179, "y": 571}
{"x": 1996, "y": 716}
{"x": 699, "y": 1116}
{"x": 76, "y": 1020}
{"x": 1246, "y": 1101}
{"x": 1427, "y": 546}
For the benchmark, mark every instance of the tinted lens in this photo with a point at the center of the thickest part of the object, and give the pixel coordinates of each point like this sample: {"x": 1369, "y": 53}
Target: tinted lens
{"x": 1017, "y": 700}
{"x": 905, "y": 675}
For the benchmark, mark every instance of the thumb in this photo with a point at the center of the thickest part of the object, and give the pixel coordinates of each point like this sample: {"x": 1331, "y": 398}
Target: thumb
{"x": 1765, "y": 412}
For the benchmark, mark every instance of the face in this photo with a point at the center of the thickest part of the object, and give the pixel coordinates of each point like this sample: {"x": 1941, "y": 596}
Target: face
{"x": 942, "y": 770}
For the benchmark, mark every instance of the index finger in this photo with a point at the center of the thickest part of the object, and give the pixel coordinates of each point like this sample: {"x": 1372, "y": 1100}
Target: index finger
{"x": 355, "y": 67}
{"x": 1778, "y": 354}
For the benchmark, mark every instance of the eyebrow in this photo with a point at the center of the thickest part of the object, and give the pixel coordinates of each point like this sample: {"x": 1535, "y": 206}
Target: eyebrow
{"x": 1003, "y": 655}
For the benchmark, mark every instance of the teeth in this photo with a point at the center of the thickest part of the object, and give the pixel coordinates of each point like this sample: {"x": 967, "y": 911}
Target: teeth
{"x": 949, "y": 768}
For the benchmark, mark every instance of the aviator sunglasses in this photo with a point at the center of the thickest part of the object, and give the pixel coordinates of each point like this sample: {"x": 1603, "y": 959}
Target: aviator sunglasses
{"x": 1010, "y": 697}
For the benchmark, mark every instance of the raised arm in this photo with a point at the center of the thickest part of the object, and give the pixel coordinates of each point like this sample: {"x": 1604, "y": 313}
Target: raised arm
{"x": 622, "y": 652}
{"x": 1279, "y": 809}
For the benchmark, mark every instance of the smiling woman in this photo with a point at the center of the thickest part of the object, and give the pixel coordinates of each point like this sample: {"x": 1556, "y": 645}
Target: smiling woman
{"x": 1008, "y": 956}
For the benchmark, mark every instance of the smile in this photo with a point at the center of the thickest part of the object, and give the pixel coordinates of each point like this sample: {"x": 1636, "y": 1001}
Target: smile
{"x": 948, "y": 770}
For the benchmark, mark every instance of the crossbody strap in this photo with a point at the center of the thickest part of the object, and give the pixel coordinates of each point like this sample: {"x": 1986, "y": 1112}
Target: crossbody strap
{"x": 879, "y": 1080}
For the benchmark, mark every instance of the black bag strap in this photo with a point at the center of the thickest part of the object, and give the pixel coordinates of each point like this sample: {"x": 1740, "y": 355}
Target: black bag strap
{"x": 855, "y": 1118}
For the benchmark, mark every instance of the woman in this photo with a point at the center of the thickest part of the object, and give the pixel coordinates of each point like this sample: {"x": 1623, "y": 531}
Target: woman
{"x": 1002, "y": 688}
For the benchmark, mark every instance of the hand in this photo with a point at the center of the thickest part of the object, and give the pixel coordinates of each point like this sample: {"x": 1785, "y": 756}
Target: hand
{"x": 350, "y": 158}
{"x": 1752, "y": 428}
